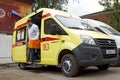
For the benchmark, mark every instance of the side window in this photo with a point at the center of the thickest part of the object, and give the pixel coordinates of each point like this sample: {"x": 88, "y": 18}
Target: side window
{"x": 20, "y": 35}
{"x": 47, "y": 24}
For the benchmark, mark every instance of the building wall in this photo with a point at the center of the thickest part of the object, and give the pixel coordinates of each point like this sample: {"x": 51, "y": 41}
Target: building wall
{"x": 6, "y": 7}
{"x": 5, "y": 48}
{"x": 23, "y": 7}
{"x": 100, "y": 16}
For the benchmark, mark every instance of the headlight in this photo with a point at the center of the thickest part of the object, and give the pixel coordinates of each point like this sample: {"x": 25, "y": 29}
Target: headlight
{"x": 87, "y": 39}
{"x": 118, "y": 45}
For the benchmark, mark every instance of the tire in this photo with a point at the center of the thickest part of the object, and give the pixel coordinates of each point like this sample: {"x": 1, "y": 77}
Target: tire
{"x": 103, "y": 67}
{"x": 22, "y": 66}
{"x": 69, "y": 65}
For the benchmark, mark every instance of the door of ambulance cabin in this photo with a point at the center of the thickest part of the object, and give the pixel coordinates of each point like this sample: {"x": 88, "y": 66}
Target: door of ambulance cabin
{"x": 51, "y": 43}
{"x": 21, "y": 51}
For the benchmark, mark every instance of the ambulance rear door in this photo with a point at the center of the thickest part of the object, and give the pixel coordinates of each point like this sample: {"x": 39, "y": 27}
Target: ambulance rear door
{"x": 20, "y": 46}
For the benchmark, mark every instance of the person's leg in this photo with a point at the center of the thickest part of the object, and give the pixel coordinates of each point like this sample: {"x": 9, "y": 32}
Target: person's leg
{"x": 37, "y": 54}
{"x": 32, "y": 51}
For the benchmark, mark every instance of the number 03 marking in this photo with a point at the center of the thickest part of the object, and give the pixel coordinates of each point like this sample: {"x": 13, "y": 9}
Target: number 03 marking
{"x": 46, "y": 46}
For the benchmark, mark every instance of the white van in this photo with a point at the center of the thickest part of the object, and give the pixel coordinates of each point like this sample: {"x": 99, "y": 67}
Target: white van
{"x": 107, "y": 29}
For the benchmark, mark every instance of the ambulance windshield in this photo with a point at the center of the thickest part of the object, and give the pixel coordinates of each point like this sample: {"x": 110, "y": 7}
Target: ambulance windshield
{"x": 74, "y": 23}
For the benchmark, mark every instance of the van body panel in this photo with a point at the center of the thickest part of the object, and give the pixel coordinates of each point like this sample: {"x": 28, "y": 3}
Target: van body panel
{"x": 19, "y": 54}
{"x": 50, "y": 49}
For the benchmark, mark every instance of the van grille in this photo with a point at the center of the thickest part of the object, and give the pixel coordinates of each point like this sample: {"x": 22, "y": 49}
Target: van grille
{"x": 107, "y": 44}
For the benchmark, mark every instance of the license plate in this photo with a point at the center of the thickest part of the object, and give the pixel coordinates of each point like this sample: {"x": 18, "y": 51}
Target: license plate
{"x": 110, "y": 51}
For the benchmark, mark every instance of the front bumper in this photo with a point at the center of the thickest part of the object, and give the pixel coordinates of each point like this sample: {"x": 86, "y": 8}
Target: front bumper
{"x": 90, "y": 55}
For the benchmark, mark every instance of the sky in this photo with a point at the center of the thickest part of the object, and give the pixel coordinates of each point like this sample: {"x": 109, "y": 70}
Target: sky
{"x": 84, "y": 7}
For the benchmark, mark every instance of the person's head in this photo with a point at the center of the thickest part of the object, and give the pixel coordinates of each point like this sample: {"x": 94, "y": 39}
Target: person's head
{"x": 30, "y": 22}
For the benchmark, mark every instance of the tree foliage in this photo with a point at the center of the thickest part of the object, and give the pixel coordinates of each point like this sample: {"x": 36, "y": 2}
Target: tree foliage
{"x": 112, "y": 7}
{"x": 54, "y": 4}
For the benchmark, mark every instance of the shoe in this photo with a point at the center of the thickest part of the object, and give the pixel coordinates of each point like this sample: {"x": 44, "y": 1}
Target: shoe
{"x": 37, "y": 60}
{"x": 32, "y": 63}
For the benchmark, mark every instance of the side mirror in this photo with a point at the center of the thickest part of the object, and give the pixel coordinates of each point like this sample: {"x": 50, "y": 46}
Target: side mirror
{"x": 54, "y": 29}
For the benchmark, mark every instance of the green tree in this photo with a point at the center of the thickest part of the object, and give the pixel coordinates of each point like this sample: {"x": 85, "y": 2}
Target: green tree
{"x": 112, "y": 8}
{"x": 56, "y": 4}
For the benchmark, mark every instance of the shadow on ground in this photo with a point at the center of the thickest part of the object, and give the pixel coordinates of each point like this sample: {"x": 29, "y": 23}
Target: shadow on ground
{"x": 90, "y": 71}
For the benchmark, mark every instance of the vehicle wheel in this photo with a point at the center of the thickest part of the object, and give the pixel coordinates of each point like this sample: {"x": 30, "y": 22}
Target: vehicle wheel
{"x": 69, "y": 65}
{"x": 103, "y": 67}
{"x": 22, "y": 66}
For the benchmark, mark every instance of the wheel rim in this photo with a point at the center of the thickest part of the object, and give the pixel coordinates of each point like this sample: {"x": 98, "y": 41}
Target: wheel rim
{"x": 67, "y": 66}
{"x": 22, "y": 65}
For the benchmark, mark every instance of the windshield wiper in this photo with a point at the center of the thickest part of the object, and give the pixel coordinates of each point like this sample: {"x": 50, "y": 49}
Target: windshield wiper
{"x": 75, "y": 28}
{"x": 90, "y": 29}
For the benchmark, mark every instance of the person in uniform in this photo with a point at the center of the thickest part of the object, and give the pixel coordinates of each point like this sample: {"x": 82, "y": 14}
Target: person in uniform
{"x": 34, "y": 42}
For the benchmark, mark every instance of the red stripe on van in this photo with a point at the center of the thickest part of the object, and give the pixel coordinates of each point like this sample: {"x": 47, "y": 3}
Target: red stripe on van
{"x": 24, "y": 43}
{"x": 51, "y": 39}
{"x": 18, "y": 44}
{"x": 46, "y": 15}
{"x": 21, "y": 25}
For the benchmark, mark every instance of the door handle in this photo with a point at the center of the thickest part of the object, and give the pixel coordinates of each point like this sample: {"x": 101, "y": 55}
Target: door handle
{"x": 43, "y": 39}
{"x": 58, "y": 41}
{"x": 55, "y": 41}
{"x": 62, "y": 41}
{"x": 23, "y": 43}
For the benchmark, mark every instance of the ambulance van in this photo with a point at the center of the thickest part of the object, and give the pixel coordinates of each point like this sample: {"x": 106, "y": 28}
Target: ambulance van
{"x": 64, "y": 41}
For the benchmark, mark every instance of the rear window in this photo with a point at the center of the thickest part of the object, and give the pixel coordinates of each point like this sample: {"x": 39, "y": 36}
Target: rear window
{"x": 20, "y": 35}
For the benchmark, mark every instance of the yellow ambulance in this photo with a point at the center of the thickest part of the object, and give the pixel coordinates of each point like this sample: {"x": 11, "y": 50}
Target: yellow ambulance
{"x": 65, "y": 41}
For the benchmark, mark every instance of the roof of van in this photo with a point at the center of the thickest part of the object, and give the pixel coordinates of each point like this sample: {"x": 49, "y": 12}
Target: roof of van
{"x": 56, "y": 12}
{"x": 46, "y": 10}
{"x": 95, "y": 23}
